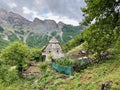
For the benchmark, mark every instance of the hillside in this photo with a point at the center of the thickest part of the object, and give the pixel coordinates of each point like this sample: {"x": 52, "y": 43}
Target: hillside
{"x": 90, "y": 78}
{"x": 93, "y": 76}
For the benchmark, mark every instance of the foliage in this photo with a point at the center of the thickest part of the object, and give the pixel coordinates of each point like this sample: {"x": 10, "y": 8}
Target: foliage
{"x": 35, "y": 54}
{"x": 64, "y": 62}
{"x": 97, "y": 40}
{"x": 75, "y": 41}
{"x": 35, "y": 40}
{"x": 15, "y": 54}
{"x": 116, "y": 47}
{"x": 8, "y": 76}
{"x": 50, "y": 57}
{"x": 70, "y": 31}
{"x": 44, "y": 80}
{"x": 3, "y": 43}
{"x": 102, "y": 10}
{"x": 101, "y": 35}
{"x": 54, "y": 33}
{"x": 43, "y": 66}
{"x": 13, "y": 38}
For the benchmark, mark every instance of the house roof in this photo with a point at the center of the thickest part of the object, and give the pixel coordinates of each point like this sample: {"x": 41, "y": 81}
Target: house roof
{"x": 53, "y": 44}
{"x": 53, "y": 40}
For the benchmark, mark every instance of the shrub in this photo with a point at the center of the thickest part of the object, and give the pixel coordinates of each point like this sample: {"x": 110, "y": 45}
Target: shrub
{"x": 8, "y": 76}
{"x": 43, "y": 66}
{"x": 65, "y": 62}
{"x": 35, "y": 54}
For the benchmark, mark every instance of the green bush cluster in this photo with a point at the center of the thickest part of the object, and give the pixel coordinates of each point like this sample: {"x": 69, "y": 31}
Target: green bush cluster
{"x": 64, "y": 62}
{"x": 8, "y": 76}
{"x": 43, "y": 66}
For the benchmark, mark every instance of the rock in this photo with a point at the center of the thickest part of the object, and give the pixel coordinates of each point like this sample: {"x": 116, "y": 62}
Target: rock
{"x": 15, "y": 21}
{"x": 106, "y": 85}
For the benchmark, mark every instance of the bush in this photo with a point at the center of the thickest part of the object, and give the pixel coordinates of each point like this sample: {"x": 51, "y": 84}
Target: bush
{"x": 43, "y": 66}
{"x": 35, "y": 54}
{"x": 8, "y": 76}
{"x": 65, "y": 62}
{"x": 16, "y": 54}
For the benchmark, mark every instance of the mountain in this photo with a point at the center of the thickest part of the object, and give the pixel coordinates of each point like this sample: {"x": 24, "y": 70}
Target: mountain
{"x": 12, "y": 20}
{"x": 35, "y": 33}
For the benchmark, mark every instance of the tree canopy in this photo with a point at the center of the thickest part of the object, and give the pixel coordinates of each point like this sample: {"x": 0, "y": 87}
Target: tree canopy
{"x": 103, "y": 19}
{"x": 102, "y": 10}
{"x": 15, "y": 54}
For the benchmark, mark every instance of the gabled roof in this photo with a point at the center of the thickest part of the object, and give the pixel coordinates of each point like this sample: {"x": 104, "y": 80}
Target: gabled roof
{"x": 53, "y": 40}
{"x": 53, "y": 44}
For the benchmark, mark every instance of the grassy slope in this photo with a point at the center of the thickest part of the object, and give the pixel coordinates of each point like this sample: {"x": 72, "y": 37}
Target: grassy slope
{"x": 75, "y": 50}
{"x": 92, "y": 77}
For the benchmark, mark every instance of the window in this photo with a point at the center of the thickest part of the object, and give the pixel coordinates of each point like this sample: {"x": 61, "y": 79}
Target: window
{"x": 57, "y": 51}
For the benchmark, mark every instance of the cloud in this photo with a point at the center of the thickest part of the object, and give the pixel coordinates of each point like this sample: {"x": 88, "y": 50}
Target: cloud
{"x": 38, "y": 2}
{"x": 64, "y": 19}
{"x": 56, "y": 18}
{"x": 26, "y": 10}
{"x": 69, "y": 8}
{"x": 67, "y": 11}
{"x": 12, "y": 5}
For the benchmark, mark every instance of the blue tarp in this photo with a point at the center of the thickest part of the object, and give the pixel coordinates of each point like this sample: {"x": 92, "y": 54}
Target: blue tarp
{"x": 63, "y": 69}
{"x": 68, "y": 70}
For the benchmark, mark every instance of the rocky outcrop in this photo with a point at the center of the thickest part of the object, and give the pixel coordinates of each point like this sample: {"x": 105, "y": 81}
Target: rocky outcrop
{"x": 46, "y": 25}
{"x": 15, "y": 21}
{"x": 12, "y": 20}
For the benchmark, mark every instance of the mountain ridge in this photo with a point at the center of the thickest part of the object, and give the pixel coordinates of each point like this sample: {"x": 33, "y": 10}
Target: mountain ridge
{"x": 16, "y": 21}
{"x": 34, "y": 33}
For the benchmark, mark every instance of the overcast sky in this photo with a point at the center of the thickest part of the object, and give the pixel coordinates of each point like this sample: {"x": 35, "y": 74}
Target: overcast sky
{"x": 67, "y": 11}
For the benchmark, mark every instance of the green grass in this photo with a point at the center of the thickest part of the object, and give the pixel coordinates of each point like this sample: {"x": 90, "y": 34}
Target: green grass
{"x": 92, "y": 77}
{"x": 75, "y": 50}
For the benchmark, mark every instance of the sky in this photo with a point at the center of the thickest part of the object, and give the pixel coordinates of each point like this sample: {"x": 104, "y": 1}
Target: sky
{"x": 67, "y": 11}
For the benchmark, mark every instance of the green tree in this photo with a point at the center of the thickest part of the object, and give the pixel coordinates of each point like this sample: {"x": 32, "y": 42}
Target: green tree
{"x": 103, "y": 33}
{"x": 102, "y": 10}
{"x": 16, "y": 54}
{"x": 35, "y": 54}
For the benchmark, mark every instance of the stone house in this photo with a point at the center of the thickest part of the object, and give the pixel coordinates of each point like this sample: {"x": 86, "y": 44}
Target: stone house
{"x": 53, "y": 49}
